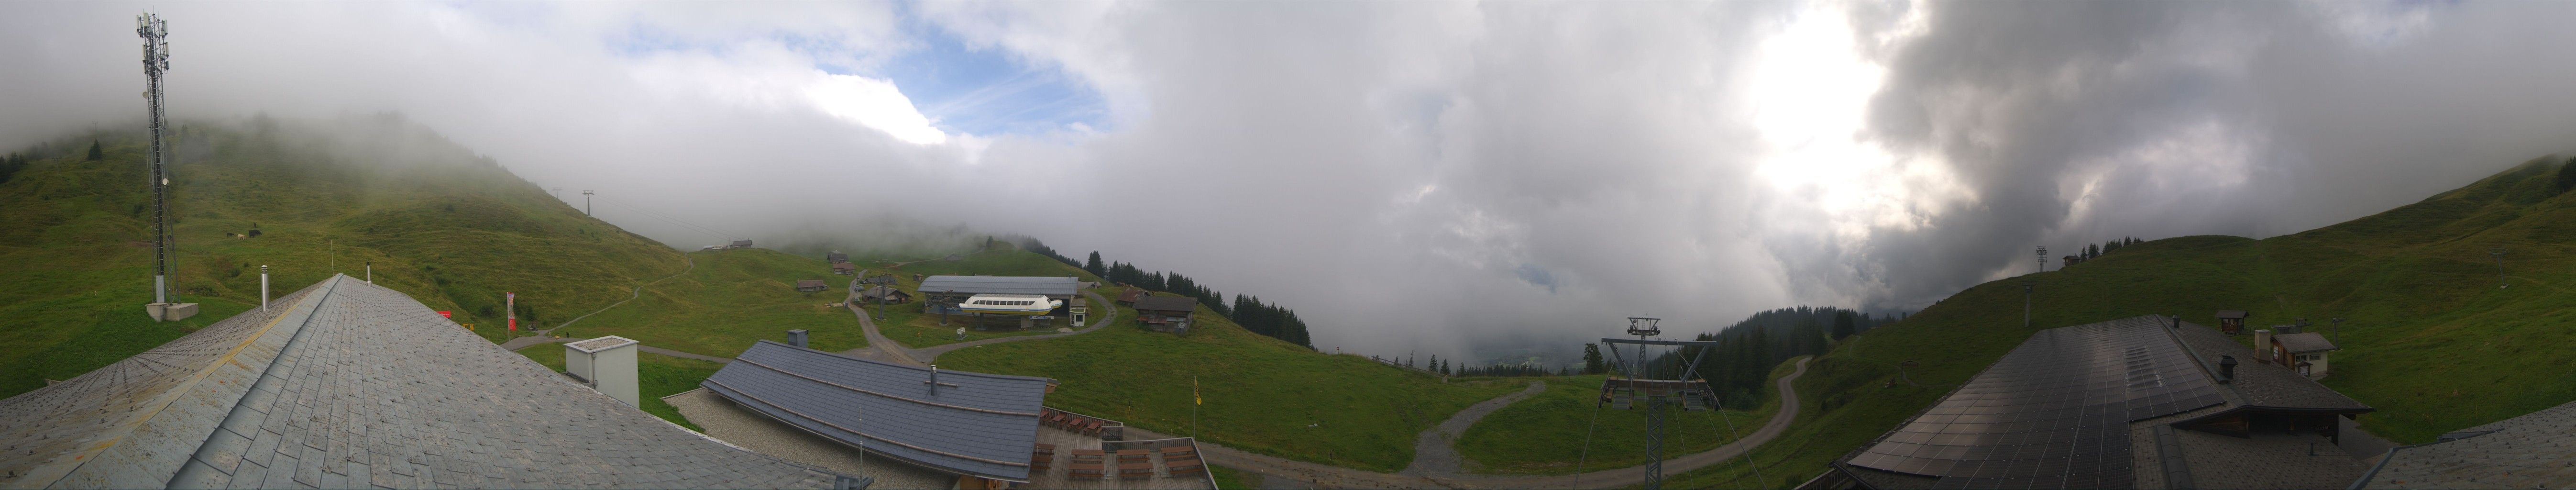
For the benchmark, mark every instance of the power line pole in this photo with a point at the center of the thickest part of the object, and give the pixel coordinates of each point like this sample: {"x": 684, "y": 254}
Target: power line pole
{"x": 585, "y": 203}
{"x": 156, "y": 58}
{"x": 2498, "y": 252}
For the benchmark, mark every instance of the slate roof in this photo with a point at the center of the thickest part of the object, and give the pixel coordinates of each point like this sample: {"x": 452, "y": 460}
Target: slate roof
{"x": 350, "y": 385}
{"x": 970, "y": 423}
{"x": 2305, "y": 342}
{"x": 1167, "y": 303}
{"x": 874, "y": 292}
{"x": 2536, "y": 450}
{"x": 2065, "y": 409}
{"x": 811, "y": 283}
{"x": 2053, "y": 413}
{"x": 2260, "y": 384}
{"x": 1040, "y": 285}
{"x": 2237, "y": 314}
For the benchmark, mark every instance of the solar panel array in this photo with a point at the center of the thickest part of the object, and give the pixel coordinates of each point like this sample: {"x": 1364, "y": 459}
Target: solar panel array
{"x": 2053, "y": 413}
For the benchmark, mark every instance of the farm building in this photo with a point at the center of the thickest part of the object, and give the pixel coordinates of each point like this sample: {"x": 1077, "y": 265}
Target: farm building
{"x": 886, "y": 294}
{"x": 374, "y": 390}
{"x": 844, "y": 268}
{"x": 1128, "y": 296}
{"x": 836, "y": 257}
{"x": 2141, "y": 402}
{"x": 2231, "y": 322}
{"x": 740, "y": 244}
{"x": 811, "y": 286}
{"x": 1166, "y": 313}
{"x": 2303, "y": 352}
{"x": 983, "y": 430}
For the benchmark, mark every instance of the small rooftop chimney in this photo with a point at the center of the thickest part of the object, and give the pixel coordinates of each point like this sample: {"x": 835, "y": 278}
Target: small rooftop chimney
{"x": 607, "y": 364}
{"x": 934, "y": 377}
{"x": 2226, "y": 369}
{"x": 796, "y": 337}
{"x": 2263, "y": 345}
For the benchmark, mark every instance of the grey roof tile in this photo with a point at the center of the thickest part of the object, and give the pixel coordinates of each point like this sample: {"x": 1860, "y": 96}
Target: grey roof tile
{"x": 1046, "y": 285}
{"x": 348, "y": 385}
{"x": 971, "y": 423}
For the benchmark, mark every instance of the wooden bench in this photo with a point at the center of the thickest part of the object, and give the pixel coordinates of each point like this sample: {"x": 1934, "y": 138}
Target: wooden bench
{"x": 1087, "y": 471}
{"x": 1135, "y": 471}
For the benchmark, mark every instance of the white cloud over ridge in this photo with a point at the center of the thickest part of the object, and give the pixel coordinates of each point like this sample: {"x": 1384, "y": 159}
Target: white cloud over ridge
{"x": 1414, "y": 175}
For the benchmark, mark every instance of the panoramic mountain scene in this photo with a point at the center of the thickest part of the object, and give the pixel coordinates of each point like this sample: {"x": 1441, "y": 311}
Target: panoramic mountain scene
{"x": 1287, "y": 245}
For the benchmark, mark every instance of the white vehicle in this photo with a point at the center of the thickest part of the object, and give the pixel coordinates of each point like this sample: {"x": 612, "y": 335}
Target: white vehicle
{"x": 1010, "y": 304}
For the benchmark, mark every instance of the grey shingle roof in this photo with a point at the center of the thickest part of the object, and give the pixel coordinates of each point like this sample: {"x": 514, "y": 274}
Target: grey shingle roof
{"x": 2239, "y": 314}
{"x": 2536, "y": 450}
{"x": 811, "y": 283}
{"x": 2053, "y": 413}
{"x": 1166, "y": 303}
{"x": 970, "y": 423}
{"x": 2305, "y": 342}
{"x": 2261, "y": 384}
{"x": 1046, "y": 285}
{"x": 350, "y": 385}
{"x": 2085, "y": 393}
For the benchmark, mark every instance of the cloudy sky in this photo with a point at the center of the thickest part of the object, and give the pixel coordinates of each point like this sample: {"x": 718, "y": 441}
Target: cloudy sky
{"x": 1444, "y": 176}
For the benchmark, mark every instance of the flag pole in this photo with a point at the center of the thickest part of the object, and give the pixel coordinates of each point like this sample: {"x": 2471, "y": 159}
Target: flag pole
{"x": 1195, "y": 401}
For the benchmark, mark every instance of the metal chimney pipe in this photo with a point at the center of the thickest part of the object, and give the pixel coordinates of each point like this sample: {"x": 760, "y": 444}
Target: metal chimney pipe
{"x": 371, "y": 272}
{"x": 263, "y": 287}
{"x": 934, "y": 377}
{"x": 2226, "y": 369}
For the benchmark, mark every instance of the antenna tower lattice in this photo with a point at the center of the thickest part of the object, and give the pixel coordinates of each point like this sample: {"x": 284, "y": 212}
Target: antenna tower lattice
{"x": 156, "y": 59}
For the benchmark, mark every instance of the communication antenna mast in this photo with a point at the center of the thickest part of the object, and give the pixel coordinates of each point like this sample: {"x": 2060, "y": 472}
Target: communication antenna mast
{"x": 2043, "y": 259}
{"x": 156, "y": 59}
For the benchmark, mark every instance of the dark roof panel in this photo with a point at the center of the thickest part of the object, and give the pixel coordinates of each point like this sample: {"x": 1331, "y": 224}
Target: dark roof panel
{"x": 2052, "y": 413}
{"x": 1167, "y": 303}
{"x": 2262, "y": 384}
{"x": 970, "y": 423}
{"x": 1045, "y": 285}
{"x": 2305, "y": 342}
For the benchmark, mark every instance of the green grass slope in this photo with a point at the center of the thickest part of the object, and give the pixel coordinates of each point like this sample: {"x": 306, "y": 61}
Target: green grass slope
{"x": 729, "y": 300}
{"x": 1532, "y": 436}
{"x": 656, "y": 376}
{"x": 2430, "y": 339}
{"x": 1262, "y": 394}
{"x": 440, "y": 223}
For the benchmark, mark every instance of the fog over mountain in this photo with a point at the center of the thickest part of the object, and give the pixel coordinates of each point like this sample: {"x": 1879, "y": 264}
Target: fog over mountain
{"x": 1446, "y": 177}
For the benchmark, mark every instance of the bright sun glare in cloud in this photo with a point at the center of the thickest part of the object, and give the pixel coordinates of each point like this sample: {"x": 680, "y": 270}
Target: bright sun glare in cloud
{"x": 1810, "y": 101}
{"x": 873, "y": 103}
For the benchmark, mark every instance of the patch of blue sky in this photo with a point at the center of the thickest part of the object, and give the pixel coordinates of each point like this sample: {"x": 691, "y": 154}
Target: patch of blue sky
{"x": 988, "y": 91}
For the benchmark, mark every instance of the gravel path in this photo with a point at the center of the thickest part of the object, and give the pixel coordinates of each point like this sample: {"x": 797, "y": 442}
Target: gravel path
{"x": 1434, "y": 453}
{"x": 1326, "y": 476}
{"x": 638, "y": 292}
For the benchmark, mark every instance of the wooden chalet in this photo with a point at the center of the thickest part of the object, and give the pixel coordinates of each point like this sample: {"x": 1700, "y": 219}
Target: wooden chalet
{"x": 1166, "y": 313}
{"x": 811, "y": 286}
{"x": 886, "y": 294}
{"x": 844, "y": 268}
{"x": 2231, "y": 322}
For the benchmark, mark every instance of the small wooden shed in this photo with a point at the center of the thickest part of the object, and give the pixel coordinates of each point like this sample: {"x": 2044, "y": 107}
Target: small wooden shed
{"x": 811, "y": 286}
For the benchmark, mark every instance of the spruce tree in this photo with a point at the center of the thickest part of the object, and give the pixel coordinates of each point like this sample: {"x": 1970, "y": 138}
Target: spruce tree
{"x": 95, "y": 151}
{"x": 1094, "y": 265}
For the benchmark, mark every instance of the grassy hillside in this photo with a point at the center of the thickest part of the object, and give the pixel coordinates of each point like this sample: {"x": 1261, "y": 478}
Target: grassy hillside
{"x": 2430, "y": 339}
{"x": 1263, "y": 395}
{"x": 440, "y": 223}
{"x": 729, "y": 300}
{"x": 1547, "y": 433}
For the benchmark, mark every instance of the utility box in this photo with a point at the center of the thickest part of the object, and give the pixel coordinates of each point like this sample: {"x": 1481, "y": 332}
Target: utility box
{"x": 170, "y": 312}
{"x": 608, "y": 364}
{"x": 1080, "y": 314}
{"x": 796, "y": 337}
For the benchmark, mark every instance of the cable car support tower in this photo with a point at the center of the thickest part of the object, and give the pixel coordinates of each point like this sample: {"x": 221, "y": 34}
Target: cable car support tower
{"x": 1638, "y": 381}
